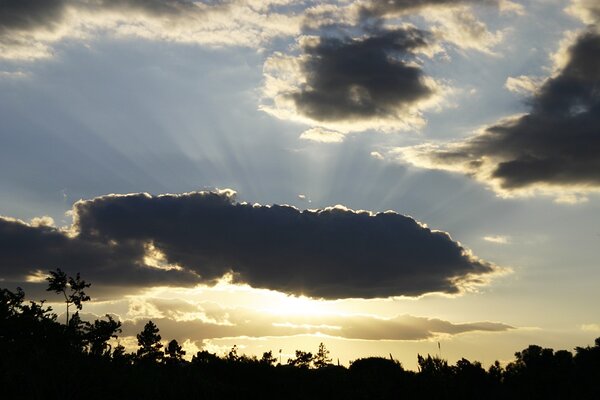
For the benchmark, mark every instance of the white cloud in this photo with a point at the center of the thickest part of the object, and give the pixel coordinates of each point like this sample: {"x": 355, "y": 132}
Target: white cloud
{"x": 586, "y": 10}
{"x": 523, "y": 84}
{"x": 236, "y": 23}
{"x": 42, "y": 221}
{"x": 377, "y": 155}
{"x": 497, "y": 239}
{"x": 460, "y": 27}
{"x": 322, "y": 135}
{"x": 590, "y": 327}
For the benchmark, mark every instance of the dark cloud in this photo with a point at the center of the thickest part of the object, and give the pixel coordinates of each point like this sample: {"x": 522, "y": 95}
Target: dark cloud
{"x": 361, "y": 78}
{"x": 25, "y": 250}
{"x": 382, "y": 8}
{"x": 152, "y": 7}
{"x": 356, "y": 71}
{"x": 29, "y": 14}
{"x": 556, "y": 144}
{"x": 35, "y": 14}
{"x": 331, "y": 253}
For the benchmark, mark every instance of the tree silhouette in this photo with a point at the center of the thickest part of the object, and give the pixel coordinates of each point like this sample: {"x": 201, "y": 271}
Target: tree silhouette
{"x": 432, "y": 366}
{"x": 76, "y": 333}
{"x": 268, "y": 358}
{"x": 174, "y": 353}
{"x": 233, "y": 355}
{"x": 99, "y": 333}
{"x": 71, "y": 288}
{"x": 150, "y": 345}
{"x": 204, "y": 357}
{"x": 303, "y": 359}
{"x": 322, "y": 358}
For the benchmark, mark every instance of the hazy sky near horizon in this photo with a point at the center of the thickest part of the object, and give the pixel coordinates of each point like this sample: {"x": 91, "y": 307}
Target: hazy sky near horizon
{"x": 379, "y": 176}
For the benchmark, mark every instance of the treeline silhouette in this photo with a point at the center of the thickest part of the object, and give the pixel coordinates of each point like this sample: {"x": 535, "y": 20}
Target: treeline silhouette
{"x": 41, "y": 358}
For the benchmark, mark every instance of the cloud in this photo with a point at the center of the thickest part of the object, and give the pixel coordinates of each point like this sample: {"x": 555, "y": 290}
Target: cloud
{"x": 29, "y": 29}
{"x": 201, "y": 321}
{"x": 379, "y": 8}
{"x": 460, "y": 27}
{"x": 553, "y": 149}
{"x": 25, "y": 15}
{"x": 586, "y": 10}
{"x": 358, "y": 78}
{"x": 197, "y": 237}
{"x": 359, "y": 65}
{"x": 348, "y": 83}
{"x": 454, "y": 21}
{"x": 377, "y": 155}
{"x": 523, "y": 84}
{"x": 322, "y": 136}
{"x": 27, "y": 252}
{"x": 590, "y": 327}
{"x": 497, "y": 239}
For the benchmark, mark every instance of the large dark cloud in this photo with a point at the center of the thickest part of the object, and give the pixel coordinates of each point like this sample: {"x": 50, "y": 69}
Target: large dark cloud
{"x": 331, "y": 253}
{"x": 361, "y": 78}
{"x": 556, "y": 144}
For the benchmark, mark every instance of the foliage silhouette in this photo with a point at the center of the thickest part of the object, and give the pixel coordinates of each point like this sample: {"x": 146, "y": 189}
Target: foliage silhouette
{"x": 268, "y": 358}
{"x": 99, "y": 333}
{"x": 303, "y": 359}
{"x": 39, "y": 354}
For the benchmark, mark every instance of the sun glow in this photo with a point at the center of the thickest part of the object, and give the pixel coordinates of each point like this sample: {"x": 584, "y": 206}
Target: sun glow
{"x": 292, "y": 305}
{"x": 154, "y": 258}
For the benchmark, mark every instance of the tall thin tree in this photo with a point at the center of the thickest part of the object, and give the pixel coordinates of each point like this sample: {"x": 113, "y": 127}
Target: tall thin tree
{"x": 71, "y": 288}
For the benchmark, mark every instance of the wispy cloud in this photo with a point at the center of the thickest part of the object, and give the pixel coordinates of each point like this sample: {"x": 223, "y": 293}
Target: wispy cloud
{"x": 497, "y": 239}
{"x": 201, "y": 321}
{"x": 590, "y": 327}
{"x": 523, "y": 84}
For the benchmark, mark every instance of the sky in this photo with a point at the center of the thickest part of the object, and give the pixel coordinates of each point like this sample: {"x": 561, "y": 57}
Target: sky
{"x": 379, "y": 176}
